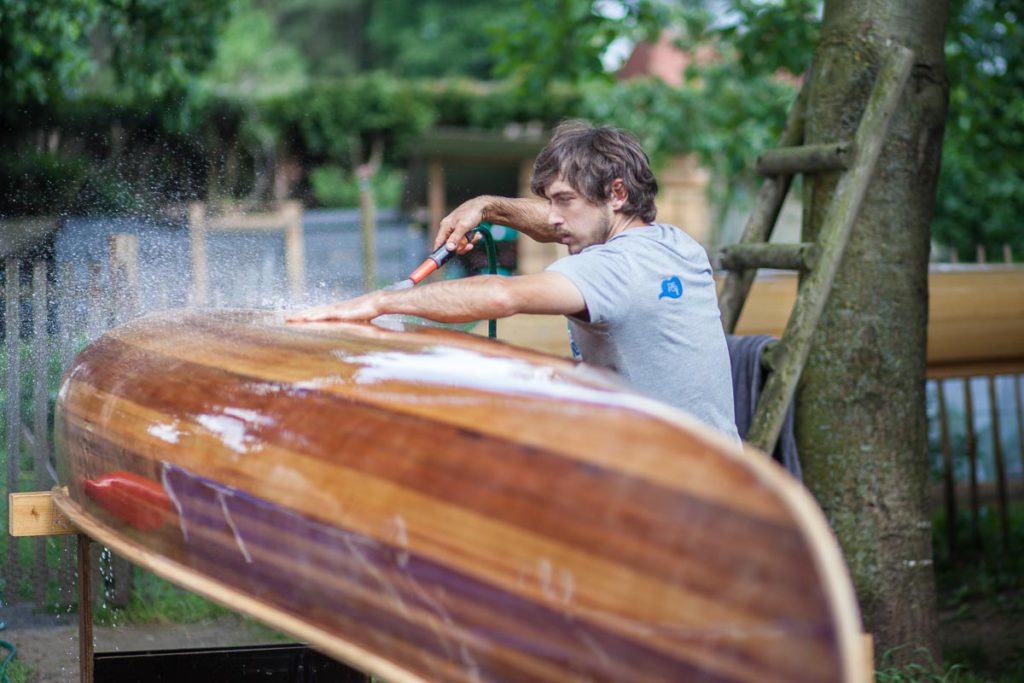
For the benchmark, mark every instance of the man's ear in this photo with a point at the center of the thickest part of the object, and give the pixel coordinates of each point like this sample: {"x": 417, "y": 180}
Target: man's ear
{"x": 618, "y": 196}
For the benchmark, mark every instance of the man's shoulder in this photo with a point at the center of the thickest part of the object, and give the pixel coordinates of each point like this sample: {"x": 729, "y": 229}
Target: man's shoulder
{"x": 658, "y": 237}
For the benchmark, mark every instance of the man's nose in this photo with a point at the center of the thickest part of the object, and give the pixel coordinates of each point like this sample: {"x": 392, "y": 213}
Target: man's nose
{"x": 554, "y": 218}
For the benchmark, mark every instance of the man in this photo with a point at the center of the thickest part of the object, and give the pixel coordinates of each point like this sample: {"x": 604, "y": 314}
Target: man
{"x": 640, "y": 296}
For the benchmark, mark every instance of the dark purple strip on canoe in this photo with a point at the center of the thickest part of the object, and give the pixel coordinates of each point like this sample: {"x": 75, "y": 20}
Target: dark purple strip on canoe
{"x": 238, "y": 523}
{"x": 512, "y": 479}
{"x": 97, "y": 457}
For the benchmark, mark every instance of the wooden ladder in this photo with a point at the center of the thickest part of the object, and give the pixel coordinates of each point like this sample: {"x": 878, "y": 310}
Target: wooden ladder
{"x": 818, "y": 261}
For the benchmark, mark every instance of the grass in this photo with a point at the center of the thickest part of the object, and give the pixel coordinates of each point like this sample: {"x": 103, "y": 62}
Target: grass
{"x": 154, "y": 600}
{"x": 19, "y": 672}
{"x": 981, "y": 596}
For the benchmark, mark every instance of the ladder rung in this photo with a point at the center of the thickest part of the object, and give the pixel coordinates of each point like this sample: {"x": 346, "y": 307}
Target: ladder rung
{"x": 805, "y": 159}
{"x": 743, "y": 256}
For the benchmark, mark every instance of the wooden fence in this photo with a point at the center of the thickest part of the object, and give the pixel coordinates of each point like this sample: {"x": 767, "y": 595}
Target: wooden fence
{"x": 46, "y": 321}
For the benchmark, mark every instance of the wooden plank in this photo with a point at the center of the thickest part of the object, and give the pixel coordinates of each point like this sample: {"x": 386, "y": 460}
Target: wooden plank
{"x": 40, "y": 414}
{"x": 33, "y": 514}
{"x": 1019, "y": 404}
{"x": 975, "y": 317}
{"x": 197, "y": 228}
{"x": 12, "y": 327}
{"x": 85, "y": 641}
{"x": 972, "y": 461}
{"x": 123, "y": 272}
{"x": 368, "y": 231}
{"x": 948, "y": 475}
{"x": 528, "y": 520}
{"x": 783, "y": 256}
{"x": 997, "y": 454}
{"x": 836, "y": 156}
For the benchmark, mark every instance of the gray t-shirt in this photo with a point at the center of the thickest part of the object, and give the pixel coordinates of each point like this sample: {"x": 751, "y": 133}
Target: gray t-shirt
{"x": 654, "y": 319}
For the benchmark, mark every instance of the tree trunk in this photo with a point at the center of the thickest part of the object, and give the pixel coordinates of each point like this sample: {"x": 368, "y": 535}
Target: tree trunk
{"x": 861, "y": 425}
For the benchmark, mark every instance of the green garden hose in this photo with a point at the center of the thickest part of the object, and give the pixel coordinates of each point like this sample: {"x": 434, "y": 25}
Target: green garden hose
{"x": 7, "y": 660}
{"x": 492, "y": 266}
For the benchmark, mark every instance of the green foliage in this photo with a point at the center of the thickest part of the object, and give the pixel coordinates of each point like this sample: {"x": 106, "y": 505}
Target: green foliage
{"x": 333, "y": 186}
{"x": 330, "y": 34}
{"x": 767, "y": 37}
{"x": 337, "y": 119}
{"x": 34, "y": 181}
{"x": 981, "y": 194}
{"x": 923, "y": 671}
{"x": 548, "y": 42}
{"x": 251, "y": 60}
{"x": 43, "y": 47}
{"x": 433, "y": 38}
{"x": 153, "y": 47}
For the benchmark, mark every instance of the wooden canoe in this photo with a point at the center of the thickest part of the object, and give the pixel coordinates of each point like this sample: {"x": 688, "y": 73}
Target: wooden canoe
{"x": 429, "y": 505}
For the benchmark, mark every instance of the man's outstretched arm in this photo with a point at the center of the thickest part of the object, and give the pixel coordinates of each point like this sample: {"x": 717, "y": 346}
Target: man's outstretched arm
{"x": 528, "y": 216}
{"x": 483, "y": 297}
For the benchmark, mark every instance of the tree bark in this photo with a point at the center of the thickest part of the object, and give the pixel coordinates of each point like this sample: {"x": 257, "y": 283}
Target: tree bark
{"x": 861, "y": 424}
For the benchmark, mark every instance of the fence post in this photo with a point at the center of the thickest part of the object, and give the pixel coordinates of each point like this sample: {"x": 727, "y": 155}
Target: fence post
{"x": 95, "y": 310}
{"x": 197, "y": 237}
{"x": 123, "y": 269}
{"x": 948, "y": 486}
{"x": 972, "y": 459}
{"x": 40, "y": 409}
{"x": 368, "y": 222}
{"x": 294, "y": 251}
{"x": 12, "y": 339}
{"x": 1020, "y": 418}
{"x": 68, "y": 332}
{"x": 997, "y": 450}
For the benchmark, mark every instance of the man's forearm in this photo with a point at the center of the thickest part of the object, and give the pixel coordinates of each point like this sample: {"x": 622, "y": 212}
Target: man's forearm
{"x": 528, "y": 216}
{"x": 457, "y": 301}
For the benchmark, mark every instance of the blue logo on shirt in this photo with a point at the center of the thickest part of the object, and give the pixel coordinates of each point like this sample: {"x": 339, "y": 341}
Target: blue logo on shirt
{"x": 671, "y": 287}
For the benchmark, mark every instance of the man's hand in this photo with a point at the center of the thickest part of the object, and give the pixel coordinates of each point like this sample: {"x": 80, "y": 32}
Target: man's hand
{"x": 528, "y": 216}
{"x": 365, "y": 307}
{"x": 454, "y": 226}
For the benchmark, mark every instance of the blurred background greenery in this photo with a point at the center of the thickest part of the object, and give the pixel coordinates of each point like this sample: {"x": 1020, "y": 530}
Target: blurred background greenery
{"x": 119, "y": 107}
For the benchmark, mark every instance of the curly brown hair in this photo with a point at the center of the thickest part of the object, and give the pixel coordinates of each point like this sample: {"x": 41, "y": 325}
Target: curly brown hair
{"x": 590, "y": 158}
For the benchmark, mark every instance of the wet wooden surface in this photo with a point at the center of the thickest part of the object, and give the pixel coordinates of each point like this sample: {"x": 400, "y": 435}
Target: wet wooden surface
{"x": 429, "y": 505}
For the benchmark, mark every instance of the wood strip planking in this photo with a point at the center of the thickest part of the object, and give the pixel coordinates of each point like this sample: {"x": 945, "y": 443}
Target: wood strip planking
{"x": 533, "y": 420}
{"x": 796, "y": 666}
{"x": 494, "y": 551}
{"x": 465, "y": 455}
{"x": 495, "y": 525}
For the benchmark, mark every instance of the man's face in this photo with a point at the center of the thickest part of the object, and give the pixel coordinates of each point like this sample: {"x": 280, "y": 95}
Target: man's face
{"x": 578, "y": 222}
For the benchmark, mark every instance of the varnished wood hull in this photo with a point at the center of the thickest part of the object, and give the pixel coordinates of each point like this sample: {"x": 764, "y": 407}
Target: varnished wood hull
{"x": 431, "y": 506}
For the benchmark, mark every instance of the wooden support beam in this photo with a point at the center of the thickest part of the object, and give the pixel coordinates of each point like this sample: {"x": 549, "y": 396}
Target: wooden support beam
{"x": 436, "y": 196}
{"x": 12, "y": 385}
{"x": 85, "y": 644}
{"x": 34, "y": 514}
{"x": 948, "y": 475}
{"x": 997, "y": 452}
{"x": 741, "y": 256}
{"x": 805, "y": 159}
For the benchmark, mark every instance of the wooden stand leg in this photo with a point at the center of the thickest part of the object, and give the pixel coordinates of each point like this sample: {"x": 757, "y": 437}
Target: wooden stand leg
{"x": 85, "y": 648}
